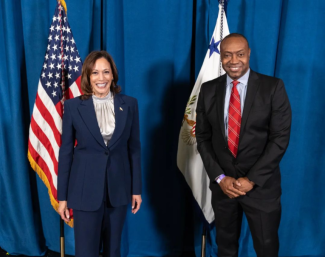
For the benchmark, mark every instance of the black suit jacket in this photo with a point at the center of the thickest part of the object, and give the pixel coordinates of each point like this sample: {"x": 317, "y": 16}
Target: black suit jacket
{"x": 264, "y": 134}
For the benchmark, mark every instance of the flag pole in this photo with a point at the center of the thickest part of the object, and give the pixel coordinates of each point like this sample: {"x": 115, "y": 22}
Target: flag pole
{"x": 204, "y": 232}
{"x": 62, "y": 250}
{"x": 221, "y": 28}
{"x": 203, "y": 243}
{"x": 62, "y": 3}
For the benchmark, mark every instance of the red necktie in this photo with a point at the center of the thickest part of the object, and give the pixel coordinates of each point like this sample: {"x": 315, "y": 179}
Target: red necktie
{"x": 234, "y": 119}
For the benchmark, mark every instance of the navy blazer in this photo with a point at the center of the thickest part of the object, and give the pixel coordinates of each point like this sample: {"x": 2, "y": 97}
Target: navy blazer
{"x": 81, "y": 178}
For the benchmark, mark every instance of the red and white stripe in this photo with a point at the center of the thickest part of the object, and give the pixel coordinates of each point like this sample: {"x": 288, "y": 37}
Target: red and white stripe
{"x": 45, "y": 132}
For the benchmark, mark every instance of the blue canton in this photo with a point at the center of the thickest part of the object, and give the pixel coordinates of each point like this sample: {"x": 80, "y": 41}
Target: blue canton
{"x": 51, "y": 75}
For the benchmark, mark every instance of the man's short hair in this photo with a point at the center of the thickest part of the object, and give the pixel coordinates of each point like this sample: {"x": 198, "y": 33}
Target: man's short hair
{"x": 234, "y": 35}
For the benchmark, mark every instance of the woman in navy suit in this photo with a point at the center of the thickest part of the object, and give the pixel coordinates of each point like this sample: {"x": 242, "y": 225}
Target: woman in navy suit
{"x": 102, "y": 174}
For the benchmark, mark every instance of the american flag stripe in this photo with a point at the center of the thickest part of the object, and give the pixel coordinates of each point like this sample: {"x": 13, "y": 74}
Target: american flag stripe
{"x": 47, "y": 125}
{"x": 46, "y": 101}
{"x": 78, "y": 83}
{"x": 74, "y": 89}
{"x": 42, "y": 164}
{"x": 44, "y": 154}
{"x": 59, "y": 80}
{"x": 46, "y": 114}
{"x": 59, "y": 110}
{"x": 45, "y": 136}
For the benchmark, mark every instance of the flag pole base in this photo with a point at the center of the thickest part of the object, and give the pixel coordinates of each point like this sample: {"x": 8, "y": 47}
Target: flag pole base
{"x": 62, "y": 251}
{"x": 203, "y": 243}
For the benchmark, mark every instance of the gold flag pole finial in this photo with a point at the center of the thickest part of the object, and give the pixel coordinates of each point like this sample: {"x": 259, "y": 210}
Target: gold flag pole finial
{"x": 62, "y": 2}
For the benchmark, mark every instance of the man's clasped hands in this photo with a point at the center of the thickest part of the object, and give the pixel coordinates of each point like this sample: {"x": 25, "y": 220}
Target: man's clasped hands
{"x": 234, "y": 188}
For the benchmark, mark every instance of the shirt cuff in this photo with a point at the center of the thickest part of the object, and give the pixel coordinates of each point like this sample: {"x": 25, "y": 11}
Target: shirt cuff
{"x": 219, "y": 178}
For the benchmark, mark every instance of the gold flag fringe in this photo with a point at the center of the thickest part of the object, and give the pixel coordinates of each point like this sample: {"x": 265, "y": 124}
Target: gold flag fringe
{"x": 45, "y": 180}
{"x": 62, "y": 2}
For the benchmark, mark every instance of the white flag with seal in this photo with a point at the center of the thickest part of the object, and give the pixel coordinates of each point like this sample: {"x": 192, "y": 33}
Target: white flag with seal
{"x": 188, "y": 158}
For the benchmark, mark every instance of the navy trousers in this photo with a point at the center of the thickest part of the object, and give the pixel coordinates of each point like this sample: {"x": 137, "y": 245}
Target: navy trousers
{"x": 92, "y": 228}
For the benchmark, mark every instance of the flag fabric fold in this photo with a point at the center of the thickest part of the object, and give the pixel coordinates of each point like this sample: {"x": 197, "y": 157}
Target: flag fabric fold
{"x": 188, "y": 158}
{"x": 59, "y": 81}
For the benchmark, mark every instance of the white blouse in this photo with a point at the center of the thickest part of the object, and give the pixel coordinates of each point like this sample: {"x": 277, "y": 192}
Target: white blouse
{"x": 104, "y": 109}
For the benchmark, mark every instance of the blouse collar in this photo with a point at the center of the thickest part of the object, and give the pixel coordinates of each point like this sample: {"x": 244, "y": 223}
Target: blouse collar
{"x": 106, "y": 98}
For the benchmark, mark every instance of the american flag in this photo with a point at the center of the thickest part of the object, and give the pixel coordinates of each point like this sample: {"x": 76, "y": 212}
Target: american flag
{"x": 59, "y": 80}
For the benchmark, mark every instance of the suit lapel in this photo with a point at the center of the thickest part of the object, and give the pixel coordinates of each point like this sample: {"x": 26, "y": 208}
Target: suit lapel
{"x": 87, "y": 113}
{"x": 220, "y": 97}
{"x": 121, "y": 114}
{"x": 252, "y": 87}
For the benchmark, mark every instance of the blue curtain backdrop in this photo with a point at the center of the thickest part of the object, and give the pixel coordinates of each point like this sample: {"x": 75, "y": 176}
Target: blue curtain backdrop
{"x": 151, "y": 44}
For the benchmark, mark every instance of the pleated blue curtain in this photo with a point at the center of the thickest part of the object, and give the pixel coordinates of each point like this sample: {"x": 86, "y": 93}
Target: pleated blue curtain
{"x": 299, "y": 63}
{"x": 19, "y": 213}
{"x": 151, "y": 44}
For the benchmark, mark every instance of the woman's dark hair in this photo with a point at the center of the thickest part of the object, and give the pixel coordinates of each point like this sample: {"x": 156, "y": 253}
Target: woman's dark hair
{"x": 87, "y": 68}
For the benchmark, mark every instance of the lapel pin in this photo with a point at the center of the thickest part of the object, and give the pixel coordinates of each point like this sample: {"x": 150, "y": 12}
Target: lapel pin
{"x": 121, "y": 109}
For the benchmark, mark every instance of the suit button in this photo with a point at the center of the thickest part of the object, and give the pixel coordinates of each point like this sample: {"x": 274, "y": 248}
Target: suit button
{"x": 225, "y": 147}
{"x": 106, "y": 153}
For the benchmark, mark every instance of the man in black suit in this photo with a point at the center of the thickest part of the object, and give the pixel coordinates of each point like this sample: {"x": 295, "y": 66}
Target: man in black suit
{"x": 243, "y": 129}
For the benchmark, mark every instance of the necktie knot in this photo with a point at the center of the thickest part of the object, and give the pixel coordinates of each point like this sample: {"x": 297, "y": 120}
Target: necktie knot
{"x": 235, "y": 82}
